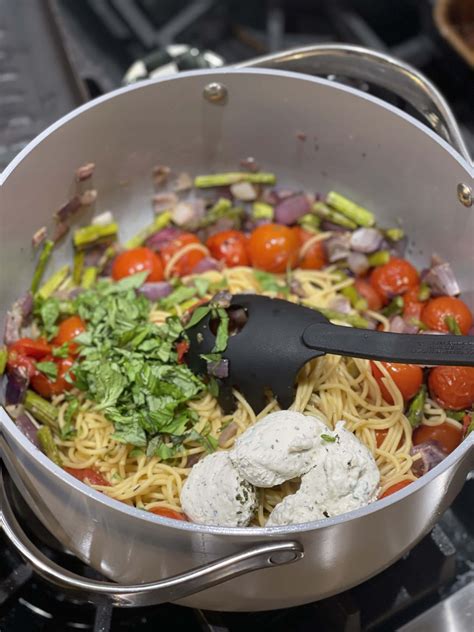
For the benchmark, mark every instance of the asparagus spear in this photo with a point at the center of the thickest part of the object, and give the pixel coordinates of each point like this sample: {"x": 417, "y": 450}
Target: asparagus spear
{"x": 425, "y": 292}
{"x": 395, "y": 234}
{"x": 394, "y": 307}
{"x": 353, "y": 211}
{"x": 356, "y": 300}
{"x": 379, "y": 258}
{"x": 3, "y": 359}
{"x": 41, "y": 265}
{"x": 323, "y": 211}
{"x": 261, "y": 210}
{"x": 225, "y": 179}
{"x": 161, "y": 221}
{"x": 46, "y": 441}
{"x": 452, "y": 325}
{"x": 53, "y": 283}
{"x": 41, "y": 409}
{"x": 415, "y": 410}
{"x": 309, "y": 222}
{"x": 89, "y": 277}
{"x": 94, "y": 234}
{"x": 351, "y": 319}
{"x": 78, "y": 266}
{"x": 222, "y": 208}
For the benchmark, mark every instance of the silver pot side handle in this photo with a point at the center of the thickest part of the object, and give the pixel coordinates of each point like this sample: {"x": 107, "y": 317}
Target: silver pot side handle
{"x": 379, "y": 69}
{"x": 153, "y": 593}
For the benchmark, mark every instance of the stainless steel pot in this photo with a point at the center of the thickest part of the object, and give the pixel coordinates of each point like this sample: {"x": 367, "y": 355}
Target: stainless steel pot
{"x": 199, "y": 122}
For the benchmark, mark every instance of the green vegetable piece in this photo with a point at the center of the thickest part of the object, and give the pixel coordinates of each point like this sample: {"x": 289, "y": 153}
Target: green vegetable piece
{"x": 62, "y": 351}
{"x": 213, "y": 387}
{"x": 358, "y": 214}
{"x": 54, "y": 282}
{"x": 452, "y": 324}
{"x": 222, "y": 335}
{"x": 3, "y": 359}
{"x": 309, "y": 222}
{"x": 261, "y": 210}
{"x": 328, "y": 438}
{"x": 89, "y": 277}
{"x": 395, "y": 234}
{"x": 379, "y": 258}
{"x": 356, "y": 300}
{"x": 50, "y": 369}
{"x": 322, "y": 210}
{"x": 222, "y": 208}
{"x": 458, "y": 415}
{"x": 425, "y": 292}
{"x": 225, "y": 179}
{"x": 351, "y": 319}
{"x": 415, "y": 410}
{"x": 202, "y": 286}
{"x": 180, "y": 295}
{"x": 41, "y": 409}
{"x": 46, "y": 441}
{"x": 78, "y": 266}
{"x": 199, "y": 313}
{"x": 395, "y": 307}
{"x": 41, "y": 265}
{"x": 160, "y": 222}
{"x": 270, "y": 282}
{"x": 470, "y": 428}
{"x": 94, "y": 234}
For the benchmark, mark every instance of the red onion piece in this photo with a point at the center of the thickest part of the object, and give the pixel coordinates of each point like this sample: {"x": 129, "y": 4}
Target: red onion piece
{"x": 295, "y": 288}
{"x": 442, "y": 281}
{"x": 13, "y": 323}
{"x": 288, "y": 210}
{"x": 337, "y": 247}
{"x": 436, "y": 260}
{"x": 431, "y": 453}
{"x": 358, "y": 263}
{"x": 341, "y": 304}
{"x": 28, "y": 428}
{"x": 60, "y": 231}
{"x": 26, "y": 305}
{"x": 183, "y": 213}
{"x": 17, "y": 385}
{"x": 399, "y": 326}
{"x": 164, "y": 202}
{"x": 156, "y": 290}
{"x": 160, "y": 174}
{"x": 39, "y": 236}
{"x": 192, "y": 459}
{"x": 229, "y": 431}
{"x": 366, "y": 240}
{"x": 218, "y": 369}
{"x": 334, "y": 228}
{"x": 206, "y": 264}
{"x": 84, "y": 172}
{"x": 69, "y": 209}
{"x": 183, "y": 182}
{"x": 160, "y": 239}
{"x": 222, "y": 299}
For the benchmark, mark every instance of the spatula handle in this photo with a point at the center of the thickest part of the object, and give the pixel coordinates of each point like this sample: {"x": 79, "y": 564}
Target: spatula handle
{"x": 377, "y": 345}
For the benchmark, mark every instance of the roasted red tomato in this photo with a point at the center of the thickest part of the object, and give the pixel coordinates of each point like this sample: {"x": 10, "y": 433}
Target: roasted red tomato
{"x": 274, "y": 248}
{"x": 137, "y": 260}
{"x": 394, "y": 278}
{"x": 412, "y": 306}
{"x": 46, "y": 386}
{"x": 439, "y": 309}
{"x": 185, "y": 264}
{"x": 373, "y": 298}
{"x": 447, "y": 435}
{"x": 229, "y": 246}
{"x": 36, "y": 349}
{"x": 407, "y": 377}
{"x": 88, "y": 475}
{"x": 181, "y": 349}
{"x": 169, "y": 513}
{"x": 313, "y": 258}
{"x": 395, "y": 488}
{"x": 68, "y": 330}
{"x": 452, "y": 386}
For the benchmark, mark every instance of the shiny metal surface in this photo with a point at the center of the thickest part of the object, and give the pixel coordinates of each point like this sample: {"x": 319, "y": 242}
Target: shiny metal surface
{"x": 355, "y": 144}
{"x": 465, "y": 194}
{"x": 215, "y": 92}
{"x": 454, "y": 614}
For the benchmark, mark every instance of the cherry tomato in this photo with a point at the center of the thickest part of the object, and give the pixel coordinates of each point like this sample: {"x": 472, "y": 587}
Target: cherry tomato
{"x": 169, "y": 513}
{"x": 372, "y": 297}
{"x": 181, "y": 349}
{"x": 447, "y": 435}
{"x": 315, "y": 257}
{"x": 32, "y": 348}
{"x": 273, "y": 248}
{"x": 87, "y": 475}
{"x": 452, "y": 386}
{"x": 437, "y": 309}
{"x": 412, "y": 306}
{"x": 395, "y": 488}
{"x": 23, "y": 364}
{"x": 68, "y": 330}
{"x": 380, "y": 436}
{"x": 45, "y": 386}
{"x": 407, "y": 377}
{"x": 137, "y": 260}
{"x": 185, "y": 264}
{"x": 394, "y": 278}
{"x": 229, "y": 246}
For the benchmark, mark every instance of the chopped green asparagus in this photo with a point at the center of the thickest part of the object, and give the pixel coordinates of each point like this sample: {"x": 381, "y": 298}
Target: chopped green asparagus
{"x": 89, "y": 277}
{"x": 78, "y": 266}
{"x": 222, "y": 208}
{"x": 160, "y": 222}
{"x": 53, "y": 283}
{"x": 415, "y": 410}
{"x": 46, "y": 441}
{"x": 379, "y": 258}
{"x": 3, "y": 359}
{"x": 41, "y": 265}
{"x": 395, "y": 234}
{"x": 351, "y": 319}
{"x": 261, "y": 210}
{"x": 322, "y": 210}
{"x": 395, "y": 307}
{"x": 425, "y": 292}
{"x": 309, "y": 222}
{"x": 453, "y": 326}
{"x": 41, "y": 409}
{"x": 225, "y": 179}
{"x": 94, "y": 234}
{"x": 357, "y": 301}
{"x": 358, "y": 214}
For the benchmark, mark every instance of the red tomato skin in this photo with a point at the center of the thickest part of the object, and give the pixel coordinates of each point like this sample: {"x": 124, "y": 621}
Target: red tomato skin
{"x": 229, "y": 246}
{"x": 446, "y": 435}
{"x": 87, "y": 475}
{"x": 436, "y": 310}
{"x": 23, "y": 364}
{"x": 182, "y": 348}
{"x": 408, "y": 378}
{"x": 273, "y": 248}
{"x": 137, "y": 260}
{"x": 373, "y": 298}
{"x": 36, "y": 349}
{"x": 394, "y": 278}
{"x": 380, "y": 436}
{"x": 46, "y": 387}
{"x": 412, "y": 306}
{"x": 395, "y": 488}
{"x": 452, "y": 386}
{"x": 185, "y": 264}
{"x": 168, "y": 513}
{"x": 68, "y": 330}
{"x": 315, "y": 257}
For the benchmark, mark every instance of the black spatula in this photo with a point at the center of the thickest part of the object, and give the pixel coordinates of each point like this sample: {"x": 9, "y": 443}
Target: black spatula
{"x": 279, "y": 337}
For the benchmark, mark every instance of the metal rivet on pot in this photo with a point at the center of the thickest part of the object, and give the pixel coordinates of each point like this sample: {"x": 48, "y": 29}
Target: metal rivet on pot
{"x": 464, "y": 194}
{"x": 283, "y": 557}
{"x": 215, "y": 92}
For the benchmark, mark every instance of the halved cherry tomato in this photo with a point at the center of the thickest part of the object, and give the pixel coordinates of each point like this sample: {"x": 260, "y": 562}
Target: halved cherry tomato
{"x": 315, "y": 257}
{"x": 395, "y": 488}
{"x": 169, "y": 513}
{"x": 36, "y": 349}
{"x": 185, "y": 264}
{"x": 437, "y": 309}
{"x": 380, "y": 436}
{"x": 68, "y": 330}
{"x": 23, "y": 364}
{"x": 87, "y": 475}
{"x": 447, "y": 435}
{"x": 452, "y": 386}
{"x": 373, "y": 298}
{"x": 181, "y": 349}
{"x": 407, "y": 377}
{"x": 137, "y": 260}
{"x": 47, "y": 387}
{"x": 273, "y": 248}
{"x": 412, "y": 306}
{"x": 394, "y": 278}
{"x": 229, "y": 246}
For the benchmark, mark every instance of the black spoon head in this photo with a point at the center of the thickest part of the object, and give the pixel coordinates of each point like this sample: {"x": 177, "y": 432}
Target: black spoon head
{"x": 264, "y": 353}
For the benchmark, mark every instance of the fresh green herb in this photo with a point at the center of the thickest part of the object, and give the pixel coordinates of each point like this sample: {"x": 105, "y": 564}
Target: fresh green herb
{"x": 68, "y": 430}
{"x": 41, "y": 409}
{"x": 50, "y": 369}
{"x": 379, "y": 258}
{"x": 211, "y": 357}
{"x": 453, "y": 326}
{"x": 354, "y": 212}
{"x": 208, "y": 442}
{"x": 181, "y": 294}
{"x": 46, "y": 441}
{"x": 41, "y": 265}
{"x": 415, "y": 410}
{"x": 225, "y": 179}
{"x": 202, "y": 286}
{"x": 324, "y": 212}
{"x": 3, "y": 359}
{"x": 136, "y": 453}
{"x": 395, "y": 307}
{"x": 160, "y": 222}
{"x": 198, "y": 314}
{"x": 328, "y": 438}
{"x": 62, "y": 351}
{"x": 270, "y": 282}
{"x": 213, "y": 387}
{"x": 222, "y": 335}
{"x": 94, "y": 234}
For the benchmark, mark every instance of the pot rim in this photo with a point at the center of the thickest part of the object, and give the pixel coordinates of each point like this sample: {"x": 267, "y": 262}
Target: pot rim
{"x": 9, "y": 428}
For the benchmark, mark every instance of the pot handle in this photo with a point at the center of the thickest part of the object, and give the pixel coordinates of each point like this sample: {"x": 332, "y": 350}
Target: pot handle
{"x": 153, "y": 593}
{"x": 364, "y": 64}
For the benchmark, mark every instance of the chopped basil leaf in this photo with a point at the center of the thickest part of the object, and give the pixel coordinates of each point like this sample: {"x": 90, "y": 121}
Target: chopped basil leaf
{"x": 68, "y": 431}
{"x": 328, "y": 438}
{"x": 198, "y": 314}
{"x": 211, "y": 357}
{"x": 213, "y": 387}
{"x": 270, "y": 283}
{"x": 50, "y": 369}
{"x": 222, "y": 335}
{"x": 202, "y": 286}
{"x": 179, "y": 295}
{"x": 62, "y": 351}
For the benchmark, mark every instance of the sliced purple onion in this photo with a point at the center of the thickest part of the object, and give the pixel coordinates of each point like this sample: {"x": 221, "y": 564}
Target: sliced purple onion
{"x": 39, "y": 237}
{"x": 229, "y": 431}
{"x": 192, "y": 459}
{"x": 250, "y": 164}
{"x": 61, "y": 229}
{"x": 28, "y": 428}
{"x": 270, "y": 196}
{"x": 206, "y": 264}
{"x": 218, "y": 369}
{"x": 288, "y": 210}
{"x": 399, "y": 325}
{"x": 13, "y": 323}
{"x": 296, "y": 288}
{"x": 160, "y": 239}
{"x": 17, "y": 385}
{"x": 436, "y": 260}
{"x": 243, "y": 191}
{"x": 156, "y": 290}
{"x": 69, "y": 209}
{"x": 160, "y": 174}
{"x": 25, "y": 304}
{"x": 338, "y": 247}
{"x": 366, "y": 240}
{"x": 85, "y": 172}
{"x": 183, "y": 182}
{"x": 183, "y": 213}
{"x": 333, "y": 228}
{"x": 431, "y": 453}
{"x": 358, "y": 263}
{"x": 442, "y": 281}
{"x": 224, "y": 223}
{"x": 341, "y": 304}
{"x": 222, "y": 299}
